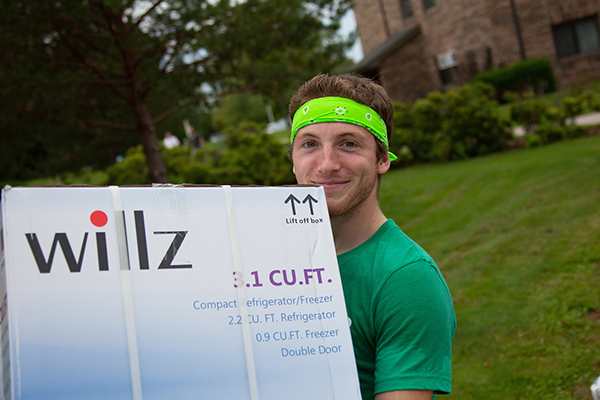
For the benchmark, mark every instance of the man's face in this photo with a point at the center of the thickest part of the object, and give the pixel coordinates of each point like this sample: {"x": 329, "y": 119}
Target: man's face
{"x": 342, "y": 158}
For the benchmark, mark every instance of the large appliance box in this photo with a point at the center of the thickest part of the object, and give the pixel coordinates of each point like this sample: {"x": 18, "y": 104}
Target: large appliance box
{"x": 172, "y": 292}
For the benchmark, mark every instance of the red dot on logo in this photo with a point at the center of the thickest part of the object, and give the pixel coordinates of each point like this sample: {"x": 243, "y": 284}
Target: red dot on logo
{"x": 98, "y": 218}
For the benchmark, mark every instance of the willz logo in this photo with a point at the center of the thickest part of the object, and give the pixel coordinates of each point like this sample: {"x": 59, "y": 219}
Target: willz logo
{"x": 99, "y": 219}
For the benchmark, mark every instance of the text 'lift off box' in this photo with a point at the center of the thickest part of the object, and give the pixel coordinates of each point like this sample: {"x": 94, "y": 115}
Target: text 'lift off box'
{"x": 172, "y": 293}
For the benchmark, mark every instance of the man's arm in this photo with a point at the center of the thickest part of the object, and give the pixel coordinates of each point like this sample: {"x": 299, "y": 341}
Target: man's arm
{"x": 405, "y": 395}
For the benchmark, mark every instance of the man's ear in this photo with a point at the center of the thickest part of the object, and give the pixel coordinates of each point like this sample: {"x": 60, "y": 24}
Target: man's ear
{"x": 383, "y": 165}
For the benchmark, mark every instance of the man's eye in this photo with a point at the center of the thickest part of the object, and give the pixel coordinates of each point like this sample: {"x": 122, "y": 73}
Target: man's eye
{"x": 309, "y": 144}
{"x": 349, "y": 144}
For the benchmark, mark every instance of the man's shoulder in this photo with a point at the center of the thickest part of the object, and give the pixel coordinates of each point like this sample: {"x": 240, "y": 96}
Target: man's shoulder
{"x": 387, "y": 251}
{"x": 395, "y": 248}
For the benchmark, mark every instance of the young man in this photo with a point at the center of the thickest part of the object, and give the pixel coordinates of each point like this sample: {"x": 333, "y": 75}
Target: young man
{"x": 401, "y": 312}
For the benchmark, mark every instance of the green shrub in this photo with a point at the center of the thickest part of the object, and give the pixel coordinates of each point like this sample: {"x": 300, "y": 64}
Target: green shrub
{"x": 577, "y": 104}
{"x": 535, "y": 75}
{"x": 528, "y": 113}
{"x": 86, "y": 176}
{"x": 253, "y": 158}
{"x": 238, "y": 108}
{"x": 461, "y": 123}
{"x": 556, "y": 115}
{"x": 534, "y": 140}
{"x": 407, "y": 147}
{"x": 132, "y": 170}
{"x": 510, "y": 97}
{"x": 473, "y": 123}
{"x": 185, "y": 166}
{"x": 545, "y": 124}
{"x": 403, "y": 116}
{"x": 550, "y": 132}
{"x": 416, "y": 126}
{"x": 574, "y": 131}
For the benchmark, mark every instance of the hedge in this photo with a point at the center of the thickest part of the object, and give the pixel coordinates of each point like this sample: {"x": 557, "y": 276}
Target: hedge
{"x": 535, "y": 75}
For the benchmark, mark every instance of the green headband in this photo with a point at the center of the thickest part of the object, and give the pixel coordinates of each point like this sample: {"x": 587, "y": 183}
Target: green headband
{"x": 340, "y": 109}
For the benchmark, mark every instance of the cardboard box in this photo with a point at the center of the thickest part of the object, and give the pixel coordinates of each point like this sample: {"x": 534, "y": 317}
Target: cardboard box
{"x": 595, "y": 388}
{"x": 172, "y": 293}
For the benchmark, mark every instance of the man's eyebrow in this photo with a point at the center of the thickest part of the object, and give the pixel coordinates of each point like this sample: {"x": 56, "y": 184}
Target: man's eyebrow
{"x": 306, "y": 133}
{"x": 353, "y": 134}
{"x": 309, "y": 133}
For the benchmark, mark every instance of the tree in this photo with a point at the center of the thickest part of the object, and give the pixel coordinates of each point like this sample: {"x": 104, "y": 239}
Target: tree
{"x": 238, "y": 108}
{"x": 125, "y": 65}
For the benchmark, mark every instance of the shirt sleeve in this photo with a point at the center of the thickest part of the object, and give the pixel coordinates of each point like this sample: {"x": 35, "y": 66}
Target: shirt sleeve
{"x": 414, "y": 324}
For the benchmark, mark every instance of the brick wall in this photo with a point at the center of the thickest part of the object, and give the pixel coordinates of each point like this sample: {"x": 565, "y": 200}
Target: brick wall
{"x": 505, "y": 42}
{"x": 483, "y": 33}
{"x": 460, "y": 25}
{"x": 568, "y": 10}
{"x": 536, "y": 30}
{"x": 403, "y": 75}
{"x": 370, "y": 25}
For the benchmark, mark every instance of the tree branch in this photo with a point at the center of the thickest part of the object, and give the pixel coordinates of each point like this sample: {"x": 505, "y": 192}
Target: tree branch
{"x": 174, "y": 110}
{"x": 95, "y": 69}
{"x": 128, "y": 59}
{"x": 84, "y": 38}
{"x": 188, "y": 65}
{"x": 148, "y": 53}
{"x": 102, "y": 124}
{"x": 144, "y": 15}
{"x": 171, "y": 57}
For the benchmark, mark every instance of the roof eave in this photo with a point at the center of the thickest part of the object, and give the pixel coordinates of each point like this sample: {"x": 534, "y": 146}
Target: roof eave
{"x": 395, "y": 42}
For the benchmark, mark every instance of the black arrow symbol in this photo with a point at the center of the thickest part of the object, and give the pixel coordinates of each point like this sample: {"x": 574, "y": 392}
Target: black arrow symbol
{"x": 310, "y": 200}
{"x": 291, "y": 199}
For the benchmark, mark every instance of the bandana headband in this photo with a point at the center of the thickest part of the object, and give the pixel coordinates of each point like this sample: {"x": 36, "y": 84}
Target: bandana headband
{"x": 340, "y": 109}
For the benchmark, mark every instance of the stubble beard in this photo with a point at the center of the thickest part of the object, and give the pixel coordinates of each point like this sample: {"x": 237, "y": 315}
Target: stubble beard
{"x": 354, "y": 199}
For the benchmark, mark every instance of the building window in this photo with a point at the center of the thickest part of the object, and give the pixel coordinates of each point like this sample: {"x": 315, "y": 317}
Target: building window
{"x": 427, "y": 4}
{"x": 576, "y": 37}
{"x": 446, "y": 76}
{"x": 406, "y": 8}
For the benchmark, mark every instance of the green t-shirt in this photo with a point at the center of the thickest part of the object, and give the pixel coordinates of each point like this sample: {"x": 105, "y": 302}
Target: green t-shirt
{"x": 401, "y": 313}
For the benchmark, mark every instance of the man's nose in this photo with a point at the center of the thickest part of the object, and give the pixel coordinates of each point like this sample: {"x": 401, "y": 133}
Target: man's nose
{"x": 330, "y": 160}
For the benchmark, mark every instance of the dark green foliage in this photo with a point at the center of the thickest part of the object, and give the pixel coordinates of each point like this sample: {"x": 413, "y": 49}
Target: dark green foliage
{"x": 547, "y": 132}
{"x": 544, "y": 123}
{"x": 187, "y": 167}
{"x": 251, "y": 157}
{"x": 579, "y": 103}
{"x": 132, "y": 170}
{"x": 529, "y": 113}
{"x": 550, "y": 132}
{"x": 111, "y": 70}
{"x": 238, "y": 108}
{"x": 459, "y": 124}
{"x": 535, "y": 75}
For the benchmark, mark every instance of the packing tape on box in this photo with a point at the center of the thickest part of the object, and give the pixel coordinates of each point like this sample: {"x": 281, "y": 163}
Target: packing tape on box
{"x": 132, "y": 346}
{"x": 241, "y": 291}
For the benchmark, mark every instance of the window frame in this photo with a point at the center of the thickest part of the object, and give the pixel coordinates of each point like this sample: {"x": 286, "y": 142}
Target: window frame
{"x": 563, "y": 47}
{"x": 427, "y": 4}
{"x": 407, "y": 9}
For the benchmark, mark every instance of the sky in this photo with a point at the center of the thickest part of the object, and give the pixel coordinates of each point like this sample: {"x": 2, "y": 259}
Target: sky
{"x": 349, "y": 25}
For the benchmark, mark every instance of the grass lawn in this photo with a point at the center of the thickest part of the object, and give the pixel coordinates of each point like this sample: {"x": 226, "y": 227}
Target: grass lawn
{"x": 517, "y": 236}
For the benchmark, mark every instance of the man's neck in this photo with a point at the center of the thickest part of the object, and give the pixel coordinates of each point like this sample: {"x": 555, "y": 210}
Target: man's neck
{"x": 356, "y": 227}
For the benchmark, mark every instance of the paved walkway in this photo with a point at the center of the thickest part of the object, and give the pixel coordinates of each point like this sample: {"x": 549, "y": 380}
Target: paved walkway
{"x": 586, "y": 119}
